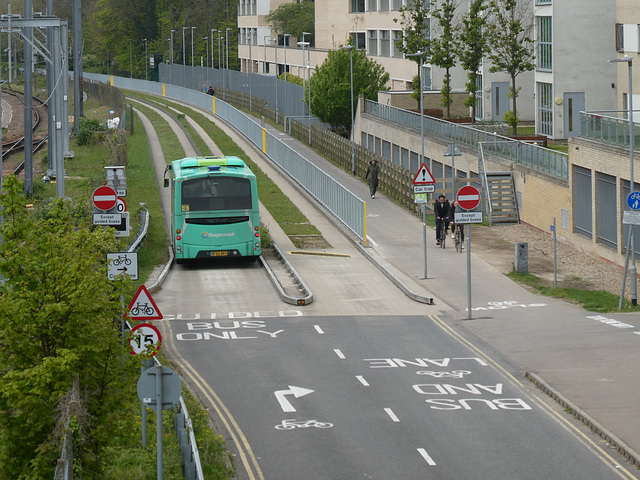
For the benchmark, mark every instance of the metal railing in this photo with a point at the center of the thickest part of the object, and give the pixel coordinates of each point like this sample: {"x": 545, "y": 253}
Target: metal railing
{"x": 539, "y": 158}
{"x": 605, "y": 126}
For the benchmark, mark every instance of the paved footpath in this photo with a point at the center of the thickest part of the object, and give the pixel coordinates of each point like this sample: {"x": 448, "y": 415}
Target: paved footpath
{"x": 589, "y": 359}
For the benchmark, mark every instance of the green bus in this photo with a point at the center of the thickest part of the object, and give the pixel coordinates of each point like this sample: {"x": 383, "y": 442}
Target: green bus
{"x": 214, "y": 209}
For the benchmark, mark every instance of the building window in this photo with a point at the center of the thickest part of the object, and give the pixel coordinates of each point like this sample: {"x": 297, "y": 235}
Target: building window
{"x": 543, "y": 2}
{"x": 359, "y": 41}
{"x": 545, "y": 44}
{"x": 396, "y": 5}
{"x": 545, "y": 109}
{"x": 384, "y": 5}
{"x": 372, "y": 44}
{"x": 479, "y": 104}
{"x": 397, "y": 36}
{"x": 619, "y": 37}
{"x": 357, "y": 6}
{"x": 372, "y": 5}
{"x": 426, "y": 79}
{"x": 385, "y": 44}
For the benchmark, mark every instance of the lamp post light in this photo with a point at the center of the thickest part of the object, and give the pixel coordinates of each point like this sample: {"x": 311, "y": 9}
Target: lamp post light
{"x": 285, "y": 56}
{"x": 424, "y": 205}
{"x": 353, "y": 144}
{"x": 184, "y": 52}
{"x": 634, "y": 279}
{"x": 146, "y": 76}
{"x": 192, "y": 29}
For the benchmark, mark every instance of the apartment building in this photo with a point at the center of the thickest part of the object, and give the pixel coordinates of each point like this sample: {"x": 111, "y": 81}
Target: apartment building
{"x": 627, "y": 43}
{"x": 371, "y": 24}
{"x": 574, "y": 38}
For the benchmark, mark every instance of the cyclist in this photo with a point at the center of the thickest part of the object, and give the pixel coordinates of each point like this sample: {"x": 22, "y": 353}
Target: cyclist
{"x": 441, "y": 210}
{"x": 452, "y": 216}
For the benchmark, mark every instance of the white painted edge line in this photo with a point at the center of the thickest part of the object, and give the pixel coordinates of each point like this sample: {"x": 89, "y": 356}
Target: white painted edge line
{"x": 371, "y": 241}
{"x": 392, "y": 415}
{"x": 362, "y": 380}
{"x": 426, "y": 456}
{"x": 339, "y": 353}
{"x": 318, "y": 329}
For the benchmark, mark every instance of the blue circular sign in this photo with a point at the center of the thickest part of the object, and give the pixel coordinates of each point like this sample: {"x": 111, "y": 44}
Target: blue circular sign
{"x": 633, "y": 200}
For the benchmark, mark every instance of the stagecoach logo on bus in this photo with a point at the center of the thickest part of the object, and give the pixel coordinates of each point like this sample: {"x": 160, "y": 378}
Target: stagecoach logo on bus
{"x": 218, "y": 235}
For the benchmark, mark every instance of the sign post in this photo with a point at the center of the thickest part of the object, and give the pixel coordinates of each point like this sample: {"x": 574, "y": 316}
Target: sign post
{"x": 423, "y": 184}
{"x": 468, "y": 198}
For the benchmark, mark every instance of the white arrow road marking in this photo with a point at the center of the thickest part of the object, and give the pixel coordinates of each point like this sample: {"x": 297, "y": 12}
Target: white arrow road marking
{"x": 297, "y": 392}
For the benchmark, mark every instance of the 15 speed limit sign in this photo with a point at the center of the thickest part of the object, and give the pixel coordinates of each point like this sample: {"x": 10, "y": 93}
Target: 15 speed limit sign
{"x": 145, "y": 338}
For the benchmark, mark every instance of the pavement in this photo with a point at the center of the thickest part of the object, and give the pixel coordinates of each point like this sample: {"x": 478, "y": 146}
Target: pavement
{"x": 586, "y": 361}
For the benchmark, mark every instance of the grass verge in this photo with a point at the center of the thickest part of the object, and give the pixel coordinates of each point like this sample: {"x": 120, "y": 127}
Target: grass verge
{"x": 592, "y": 300}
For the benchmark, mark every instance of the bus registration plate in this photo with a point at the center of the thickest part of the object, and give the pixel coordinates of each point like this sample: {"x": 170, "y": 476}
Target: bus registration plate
{"x": 219, "y": 253}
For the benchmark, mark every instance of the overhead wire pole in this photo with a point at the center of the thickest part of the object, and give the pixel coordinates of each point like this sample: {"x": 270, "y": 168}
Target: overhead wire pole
{"x": 28, "y": 102}
{"x": 78, "y": 92}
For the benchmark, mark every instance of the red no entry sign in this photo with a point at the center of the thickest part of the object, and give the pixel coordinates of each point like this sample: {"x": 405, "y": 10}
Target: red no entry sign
{"x": 105, "y": 198}
{"x": 468, "y": 197}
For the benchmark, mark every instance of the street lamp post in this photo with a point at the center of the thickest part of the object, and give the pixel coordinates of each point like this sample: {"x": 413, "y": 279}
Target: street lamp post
{"x": 219, "y": 57}
{"x": 353, "y": 144}
{"x": 424, "y": 205}
{"x": 276, "y": 77}
{"x": 634, "y": 279}
{"x": 146, "y": 76}
{"x": 304, "y": 76}
{"x": 226, "y": 34}
{"x": 212, "y": 50}
{"x": 309, "y": 67}
{"x": 206, "y": 41}
{"x": 250, "y": 69}
{"x": 285, "y": 56}
{"x": 130, "y": 60}
{"x": 171, "y": 53}
{"x": 264, "y": 63}
{"x": 192, "y": 29}
{"x": 184, "y": 51}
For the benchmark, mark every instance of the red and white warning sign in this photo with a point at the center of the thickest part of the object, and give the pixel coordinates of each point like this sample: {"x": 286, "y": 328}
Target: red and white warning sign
{"x": 145, "y": 338}
{"x": 468, "y": 197}
{"x": 142, "y": 307}
{"x": 104, "y": 198}
{"x": 423, "y": 177}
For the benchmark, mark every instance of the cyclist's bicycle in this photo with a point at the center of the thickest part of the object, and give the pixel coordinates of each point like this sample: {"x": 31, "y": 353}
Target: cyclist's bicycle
{"x": 458, "y": 239}
{"x": 443, "y": 234}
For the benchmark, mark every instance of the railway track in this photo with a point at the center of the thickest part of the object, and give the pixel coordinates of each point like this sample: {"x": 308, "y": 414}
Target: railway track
{"x": 14, "y": 146}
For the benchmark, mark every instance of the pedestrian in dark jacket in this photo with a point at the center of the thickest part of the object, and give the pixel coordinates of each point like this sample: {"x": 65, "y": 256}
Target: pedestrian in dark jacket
{"x": 372, "y": 176}
{"x": 441, "y": 211}
{"x": 211, "y": 91}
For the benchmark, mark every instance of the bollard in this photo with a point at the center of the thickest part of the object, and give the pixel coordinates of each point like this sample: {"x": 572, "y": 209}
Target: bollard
{"x": 521, "y": 264}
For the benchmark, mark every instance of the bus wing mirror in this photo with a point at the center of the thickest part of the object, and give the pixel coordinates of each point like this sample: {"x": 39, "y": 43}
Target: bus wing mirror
{"x": 165, "y": 182}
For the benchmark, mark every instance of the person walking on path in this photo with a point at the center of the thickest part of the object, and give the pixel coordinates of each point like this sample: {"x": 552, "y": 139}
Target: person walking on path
{"x": 372, "y": 176}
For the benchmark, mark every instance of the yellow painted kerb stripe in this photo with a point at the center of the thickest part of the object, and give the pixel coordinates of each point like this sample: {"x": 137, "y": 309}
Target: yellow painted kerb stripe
{"x": 213, "y": 99}
{"x": 264, "y": 140}
{"x": 163, "y": 90}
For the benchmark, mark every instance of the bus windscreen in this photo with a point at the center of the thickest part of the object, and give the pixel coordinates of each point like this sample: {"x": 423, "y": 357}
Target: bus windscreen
{"x": 216, "y": 193}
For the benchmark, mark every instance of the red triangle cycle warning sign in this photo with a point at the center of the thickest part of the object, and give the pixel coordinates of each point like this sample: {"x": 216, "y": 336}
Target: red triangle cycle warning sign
{"x": 423, "y": 177}
{"x": 142, "y": 307}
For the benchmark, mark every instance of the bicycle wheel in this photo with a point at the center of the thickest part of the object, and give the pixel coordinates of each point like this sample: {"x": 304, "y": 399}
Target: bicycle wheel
{"x": 443, "y": 237}
{"x": 458, "y": 241}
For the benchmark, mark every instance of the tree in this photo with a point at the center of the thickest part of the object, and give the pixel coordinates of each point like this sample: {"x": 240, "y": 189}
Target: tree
{"x": 443, "y": 47}
{"x": 293, "y": 18}
{"x": 512, "y": 48}
{"x": 415, "y": 36}
{"x": 59, "y": 317}
{"x": 472, "y": 46}
{"x": 331, "y": 86}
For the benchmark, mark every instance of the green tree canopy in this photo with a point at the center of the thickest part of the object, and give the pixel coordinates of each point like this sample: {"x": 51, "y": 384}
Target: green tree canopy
{"x": 415, "y": 19}
{"x": 472, "y": 46}
{"x": 59, "y": 318}
{"x": 443, "y": 46}
{"x": 331, "y": 86}
{"x": 512, "y": 48}
{"x": 293, "y": 18}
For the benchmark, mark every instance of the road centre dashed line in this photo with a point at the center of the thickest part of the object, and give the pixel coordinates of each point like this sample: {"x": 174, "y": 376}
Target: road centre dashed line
{"x": 392, "y": 415}
{"x": 339, "y": 353}
{"x": 362, "y": 380}
{"x": 318, "y": 329}
{"x": 426, "y": 456}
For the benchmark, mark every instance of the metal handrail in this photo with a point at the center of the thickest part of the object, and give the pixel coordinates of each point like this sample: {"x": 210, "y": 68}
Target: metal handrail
{"x": 485, "y": 182}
